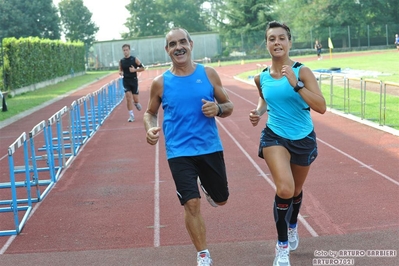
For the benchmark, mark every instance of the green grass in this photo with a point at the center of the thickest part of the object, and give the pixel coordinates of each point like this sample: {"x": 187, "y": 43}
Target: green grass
{"x": 385, "y": 62}
{"x": 372, "y": 108}
{"x": 29, "y": 100}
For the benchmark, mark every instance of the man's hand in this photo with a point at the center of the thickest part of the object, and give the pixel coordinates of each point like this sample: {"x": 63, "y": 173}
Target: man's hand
{"x": 209, "y": 109}
{"x": 153, "y": 135}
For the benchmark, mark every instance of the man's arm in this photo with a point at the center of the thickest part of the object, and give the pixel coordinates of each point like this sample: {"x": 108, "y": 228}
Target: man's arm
{"x": 224, "y": 107}
{"x": 120, "y": 68}
{"x": 140, "y": 66}
{"x": 150, "y": 117}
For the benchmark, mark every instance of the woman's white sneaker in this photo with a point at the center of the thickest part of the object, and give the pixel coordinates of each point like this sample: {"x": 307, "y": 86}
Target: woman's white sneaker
{"x": 293, "y": 238}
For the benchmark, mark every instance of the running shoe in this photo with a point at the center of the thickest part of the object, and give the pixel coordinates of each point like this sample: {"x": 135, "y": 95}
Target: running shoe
{"x": 293, "y": 238}
{"x": 138, "y": 106}
{"x": 131, "y": 118}
{"x": 282, "y": 255}
{"x": 204, "y": 259}
{"x": 208, "y": 198}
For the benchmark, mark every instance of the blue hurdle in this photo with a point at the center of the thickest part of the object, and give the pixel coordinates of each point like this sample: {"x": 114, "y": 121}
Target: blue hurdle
{"x": 42, "y": 161}
{"x": 51, "y": 146}
{"x": 75, "y": 126}
{"x": 17, "y": 205}
{"x": 57, "y": 143}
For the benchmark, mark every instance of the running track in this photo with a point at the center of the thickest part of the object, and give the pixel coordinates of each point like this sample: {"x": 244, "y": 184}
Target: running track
{"x": 116, "y": 204}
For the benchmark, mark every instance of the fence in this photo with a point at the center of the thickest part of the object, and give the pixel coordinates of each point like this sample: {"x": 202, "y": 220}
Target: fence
{"x": 36, "y": 160}
{"x": 369, "y": 99}
{"x": 150, "y": 50}
{"x": 248, "y": 45}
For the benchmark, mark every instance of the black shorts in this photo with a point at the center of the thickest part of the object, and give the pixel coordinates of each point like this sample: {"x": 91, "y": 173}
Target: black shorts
{"x": 131, "y": 85}
{"x": 303, "y": 151}
{"x": 211, "y": 170}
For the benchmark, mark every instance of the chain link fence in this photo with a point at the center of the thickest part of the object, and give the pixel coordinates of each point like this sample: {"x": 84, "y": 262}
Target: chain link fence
{"x": 215, "y": 46}
{"x": 150, "y": 51}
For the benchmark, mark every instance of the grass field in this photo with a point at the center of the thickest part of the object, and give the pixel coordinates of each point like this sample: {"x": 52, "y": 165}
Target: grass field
{"x": 29, "y": 100}
{"x": 384, "y": 62}
{"x": 382, "y": 66}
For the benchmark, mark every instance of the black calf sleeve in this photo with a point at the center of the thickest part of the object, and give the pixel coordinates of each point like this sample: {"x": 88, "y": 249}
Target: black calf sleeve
{"x": 296, "y": 206}
{"x": 282, "y": 213}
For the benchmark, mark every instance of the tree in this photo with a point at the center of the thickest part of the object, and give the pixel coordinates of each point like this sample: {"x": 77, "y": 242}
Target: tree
{"x": 242, "y": 16}
{"x": 337, "y": 15}
{"x": 155, "y": 17}
{"x": 76, "y": 22}
{"x": 243, "y": 23}
{"x": 148, "y": 23}
{"x": 26, "y": 18}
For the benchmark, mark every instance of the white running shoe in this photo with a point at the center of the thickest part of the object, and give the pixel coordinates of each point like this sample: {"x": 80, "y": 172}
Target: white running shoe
{"x": 131, "y": 118}
{"x": 293, "y": 238}
{"x": 138, "y": 106}
{"x": 208, "y": 198}
{"x": 204, "y": 259}
{"x": 282, "y": 255}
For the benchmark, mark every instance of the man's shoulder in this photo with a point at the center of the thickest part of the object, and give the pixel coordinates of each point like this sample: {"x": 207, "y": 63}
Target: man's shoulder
{"x": 128, "y": 58}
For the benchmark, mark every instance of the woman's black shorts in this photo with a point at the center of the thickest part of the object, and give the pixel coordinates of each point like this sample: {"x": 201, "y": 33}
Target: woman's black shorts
{"x": 303, "y": 151}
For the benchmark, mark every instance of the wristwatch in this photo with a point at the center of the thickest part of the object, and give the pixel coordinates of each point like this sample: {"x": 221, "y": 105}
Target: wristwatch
{"x": 299, "y": 85}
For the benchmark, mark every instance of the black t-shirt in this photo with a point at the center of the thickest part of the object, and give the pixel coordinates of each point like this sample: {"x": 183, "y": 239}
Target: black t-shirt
{"x": 126, "y": 63}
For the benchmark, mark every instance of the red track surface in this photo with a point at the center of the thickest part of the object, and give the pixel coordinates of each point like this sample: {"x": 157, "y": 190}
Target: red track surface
{"x": 111, "y": 207}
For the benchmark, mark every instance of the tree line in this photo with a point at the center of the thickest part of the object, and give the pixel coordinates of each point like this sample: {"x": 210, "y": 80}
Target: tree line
{"x": 72, "y": 19}
{"x": 41, "y": 18}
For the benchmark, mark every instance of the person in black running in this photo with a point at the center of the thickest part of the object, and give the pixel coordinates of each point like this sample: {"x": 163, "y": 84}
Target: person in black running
{"x": 128, "y": 68}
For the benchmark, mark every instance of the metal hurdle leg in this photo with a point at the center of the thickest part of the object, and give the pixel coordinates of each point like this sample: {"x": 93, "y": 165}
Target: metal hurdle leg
{"x": 47, "y": 157}
{"x": 73, "y": 129}
{"x": 90, "y": 126}
{"x": 15, "y": 203}
{"x": 95, "y": 119}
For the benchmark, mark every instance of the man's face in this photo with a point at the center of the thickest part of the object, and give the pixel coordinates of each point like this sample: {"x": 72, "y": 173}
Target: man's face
{"x": 126, "y": 51}
{"x": 178, "y": 46}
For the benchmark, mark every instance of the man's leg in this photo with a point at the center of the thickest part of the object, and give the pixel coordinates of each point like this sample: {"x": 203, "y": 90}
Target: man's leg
{"x": 195, "y": 224}
{"x": 129, "y": 103}
{"x": 136, "y": 101}
{"x": 129, "y": 100}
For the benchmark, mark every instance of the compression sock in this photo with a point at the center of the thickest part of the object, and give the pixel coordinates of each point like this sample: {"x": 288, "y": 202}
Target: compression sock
{"x": 282, "y": 212}
{"x": 296, "y": 206}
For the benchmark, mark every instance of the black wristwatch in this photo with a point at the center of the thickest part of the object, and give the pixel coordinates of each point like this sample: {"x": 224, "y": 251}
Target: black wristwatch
{"x": 299, "y": 85}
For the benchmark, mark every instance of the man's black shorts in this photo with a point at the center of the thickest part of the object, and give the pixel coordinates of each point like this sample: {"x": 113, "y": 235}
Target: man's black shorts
{"x": 303, "y": 151}
{"x": 209, "y": 168}
{"x": 131, "y": 85}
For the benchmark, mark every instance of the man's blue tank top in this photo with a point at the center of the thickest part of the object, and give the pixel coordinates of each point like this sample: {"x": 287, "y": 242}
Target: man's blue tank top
{"x": 288, "y": 114}
{"x": 188, "y": 132}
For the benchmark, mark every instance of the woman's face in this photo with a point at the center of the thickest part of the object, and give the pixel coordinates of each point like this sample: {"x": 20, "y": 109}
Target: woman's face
{"x": 277, "y": 42}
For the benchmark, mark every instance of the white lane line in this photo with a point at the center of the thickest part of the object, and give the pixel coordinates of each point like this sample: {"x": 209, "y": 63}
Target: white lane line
{"x": 264, "y": 175}
{"x": 360, "y": 162}
{"x": 157, "y": 238}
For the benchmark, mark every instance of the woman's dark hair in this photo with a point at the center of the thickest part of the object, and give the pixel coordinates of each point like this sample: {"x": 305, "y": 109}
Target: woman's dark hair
{"x": 276, "y": 24}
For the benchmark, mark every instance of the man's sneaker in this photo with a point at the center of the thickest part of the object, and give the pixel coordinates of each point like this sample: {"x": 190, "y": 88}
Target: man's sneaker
{"x": 131, "y": 118}
{"x": 138, "y": 106}
{"x": 282, "y": 255}
{"x": 204, "y": 259}
{"x": 293, "y": 238}
{"x": 208, "y": 198}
